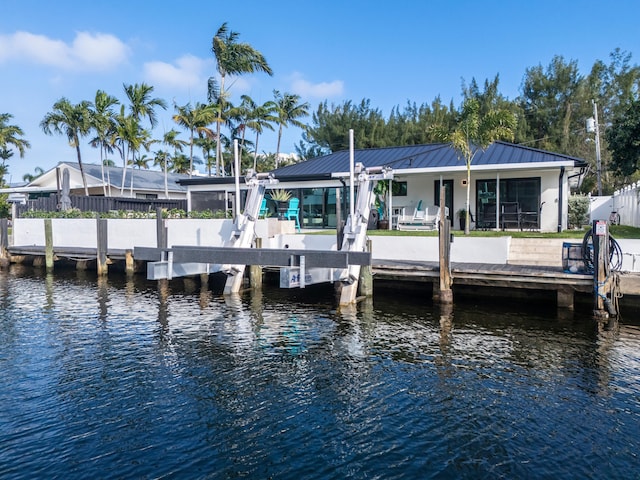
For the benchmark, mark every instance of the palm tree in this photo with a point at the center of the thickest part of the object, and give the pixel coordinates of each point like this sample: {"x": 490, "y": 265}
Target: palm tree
{"x": 170, "y": 139}
{"x": 124, "y": 135}
{"x": 288, "y": 110}
{"x": 141, "y": 105}
{"x": 475, "y": 131}
{"x": 181, "y": 163}
{"x": 195, "y": 120}
{"x": 161, "y": 159}
{"x": 102, "y": 121}
{"x": 71, "y": 120}
{"x": 232, "y": 58}
{"x": 9, "y": 135}
{"x": 30, "y": 177}
{"x": 259, "y": 117}
{"x": 207, "y": 144}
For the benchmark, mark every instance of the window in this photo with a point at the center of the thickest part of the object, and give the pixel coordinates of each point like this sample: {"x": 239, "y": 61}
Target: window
{"x": 525, "y": 192}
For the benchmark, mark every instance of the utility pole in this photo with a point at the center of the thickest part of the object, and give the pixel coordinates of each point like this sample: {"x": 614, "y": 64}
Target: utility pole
{"x": 592, "y": 126}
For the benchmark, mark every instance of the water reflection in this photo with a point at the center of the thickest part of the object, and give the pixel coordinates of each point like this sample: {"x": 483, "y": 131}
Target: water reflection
{"x": 119, "y": 377}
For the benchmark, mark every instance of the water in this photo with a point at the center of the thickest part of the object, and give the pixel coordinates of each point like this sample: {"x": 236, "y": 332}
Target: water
{"x": 104, "y": 378}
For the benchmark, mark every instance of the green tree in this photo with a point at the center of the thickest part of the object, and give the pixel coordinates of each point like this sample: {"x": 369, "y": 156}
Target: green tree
{"x": 181, "y": 163}
{"x": 71, "y": 120}
{"x": 195, "y": 121}
{"x": 232, "y": 58}
{"x": 125, "y": 139}
{"x": 475, "y": 131}
{"x": 10, "y": 137}
{"x": 141, "y": 105}
{"x": 5, "y": 155}
{"x": 331, "y": 125}
{"x": 624, "y": 140}
{"x": 259, "y": 117}
{"x": 30, "y": 177}
{"x": 170, "y": 139}
{"x": 288, "y": 110}
{"x": 555, "y": 105}
{"x": 103, "y": 123}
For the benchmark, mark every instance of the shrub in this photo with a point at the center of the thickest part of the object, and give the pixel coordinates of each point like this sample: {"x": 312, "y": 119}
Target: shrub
{"x": 578, "y": 211}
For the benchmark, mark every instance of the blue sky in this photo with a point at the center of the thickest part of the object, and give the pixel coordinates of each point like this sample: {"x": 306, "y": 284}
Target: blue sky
{"x": 388, "y": 52}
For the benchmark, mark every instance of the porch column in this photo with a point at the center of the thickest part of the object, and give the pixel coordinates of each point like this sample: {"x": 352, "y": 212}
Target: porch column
{"x": 497, "y": 201}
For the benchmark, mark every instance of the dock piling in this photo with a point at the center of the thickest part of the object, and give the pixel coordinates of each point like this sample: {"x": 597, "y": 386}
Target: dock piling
{"x": 48, "y": 247}
{"x": 444, "y": 293}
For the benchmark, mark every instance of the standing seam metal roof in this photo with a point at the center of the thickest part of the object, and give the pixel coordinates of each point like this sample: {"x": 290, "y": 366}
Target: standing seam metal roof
{"x": 440, "y": 155}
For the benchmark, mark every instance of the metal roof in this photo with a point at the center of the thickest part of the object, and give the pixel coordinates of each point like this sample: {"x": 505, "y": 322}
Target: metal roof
{"x": 435, "y": 156}
{"x": 142, "y": 179}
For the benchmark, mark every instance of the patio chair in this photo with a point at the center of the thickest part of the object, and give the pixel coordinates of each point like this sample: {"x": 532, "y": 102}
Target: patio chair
{"x": 293, "y": 212}
{"x": 510, "y": 215}
{"x": 264, "y": 209}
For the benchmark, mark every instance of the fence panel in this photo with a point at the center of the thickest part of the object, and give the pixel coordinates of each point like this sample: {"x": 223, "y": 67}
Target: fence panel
{"x": 101, "y": 204}
{"x": 626, "y": 202}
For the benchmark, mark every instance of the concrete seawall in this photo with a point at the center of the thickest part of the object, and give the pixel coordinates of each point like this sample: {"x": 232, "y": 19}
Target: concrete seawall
{"x": 129, "y": 233}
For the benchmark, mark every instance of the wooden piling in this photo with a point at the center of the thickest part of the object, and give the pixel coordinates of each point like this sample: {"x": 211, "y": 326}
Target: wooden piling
{"x": 365, "y": 282}
{"x": 565, "y": 298}
{"x": 48, "y": 244}
{"x": 443, "y": 293}
{"x": 129, "y": 262}
{"x": 255, "y": 271}
{"x": 600, "y": 234}
{"x": 161, "y": 230}
{"x": 4, "y": 242}
{"x": 101, "y": 251}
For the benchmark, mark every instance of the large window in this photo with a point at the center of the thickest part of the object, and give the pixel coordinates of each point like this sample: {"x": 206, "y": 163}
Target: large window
{"x": 521, "y": 194}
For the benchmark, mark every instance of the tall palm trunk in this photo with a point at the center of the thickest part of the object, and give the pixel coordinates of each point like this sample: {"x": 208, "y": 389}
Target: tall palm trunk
{"x": 84, "y": 179}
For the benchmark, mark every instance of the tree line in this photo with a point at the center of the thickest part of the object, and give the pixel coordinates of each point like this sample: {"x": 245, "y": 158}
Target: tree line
{"x": 550, "y": 113}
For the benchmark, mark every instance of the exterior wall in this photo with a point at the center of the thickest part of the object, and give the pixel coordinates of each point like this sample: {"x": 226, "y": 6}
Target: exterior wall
{"x": 421, "y": 187}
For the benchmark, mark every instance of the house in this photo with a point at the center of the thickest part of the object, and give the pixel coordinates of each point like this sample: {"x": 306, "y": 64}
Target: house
{"x": 105, "y": 181}
{"x": 512, "y": 186}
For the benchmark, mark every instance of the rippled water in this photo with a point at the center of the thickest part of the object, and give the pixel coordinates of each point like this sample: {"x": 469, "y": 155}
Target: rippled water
{"x": 104, "y": 378}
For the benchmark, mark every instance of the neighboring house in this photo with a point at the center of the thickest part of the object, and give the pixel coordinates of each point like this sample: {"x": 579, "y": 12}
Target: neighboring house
{"x": 139, "y": 183}
{"x": 511, "y": 186}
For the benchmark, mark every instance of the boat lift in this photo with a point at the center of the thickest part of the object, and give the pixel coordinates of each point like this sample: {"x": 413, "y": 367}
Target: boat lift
{"x": 299, "y": 267}
{"x": 164, "y": 265}
{"x": 354, "y": 240}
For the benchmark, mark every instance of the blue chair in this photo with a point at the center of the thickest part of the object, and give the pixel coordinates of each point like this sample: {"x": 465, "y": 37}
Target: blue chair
{"x": 263, "y": 209}
{"x": 293, "y": 212}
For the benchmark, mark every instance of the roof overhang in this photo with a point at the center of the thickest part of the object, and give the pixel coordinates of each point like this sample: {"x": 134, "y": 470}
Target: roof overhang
{"x": 477, "y": 168}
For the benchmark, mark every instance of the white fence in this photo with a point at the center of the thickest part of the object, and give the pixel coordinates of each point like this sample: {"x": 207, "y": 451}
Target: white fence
{"x": 626, "y": 202}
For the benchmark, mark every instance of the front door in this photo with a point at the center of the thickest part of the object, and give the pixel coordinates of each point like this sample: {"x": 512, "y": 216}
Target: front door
{"x": 448, "y": 196}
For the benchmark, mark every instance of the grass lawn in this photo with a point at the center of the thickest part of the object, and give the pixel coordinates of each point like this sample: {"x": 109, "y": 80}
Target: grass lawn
{"x": 617, "y": 231}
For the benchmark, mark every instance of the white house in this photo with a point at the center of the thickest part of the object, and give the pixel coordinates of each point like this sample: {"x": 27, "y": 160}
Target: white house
{"x": 512, "y": 186}
{"x": 105, "y": 181}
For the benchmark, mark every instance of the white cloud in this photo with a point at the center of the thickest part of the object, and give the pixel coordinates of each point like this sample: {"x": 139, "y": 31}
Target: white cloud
{"x": 87, "y": 51}
{"x": 304, "y": 88}
{"x": 188, "y": 72}
{"x": 100, "y": 51}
